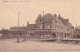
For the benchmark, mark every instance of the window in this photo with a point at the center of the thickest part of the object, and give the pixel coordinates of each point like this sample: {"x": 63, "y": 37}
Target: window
{"x": 68, "y": 29}
{"x": 41, "y": 26}
{"x": 62, "y": 27}
{"x": 57, "y": 26}
{"x": 47, "y": 26}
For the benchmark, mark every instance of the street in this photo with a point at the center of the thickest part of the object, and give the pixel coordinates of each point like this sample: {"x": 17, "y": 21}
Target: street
{"x": 10, "y": 45}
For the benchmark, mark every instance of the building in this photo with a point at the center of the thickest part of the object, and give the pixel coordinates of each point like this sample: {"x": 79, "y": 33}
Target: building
{"x": 54, "y": 26}
{"x": 46, "y": 27}
{"x": 77, "y": 32}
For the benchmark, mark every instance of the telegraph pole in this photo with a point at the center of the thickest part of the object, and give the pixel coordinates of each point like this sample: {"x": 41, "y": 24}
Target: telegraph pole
{"x": 43, "y": 23}
{"x": 18, "y": 18}
{"x": 76, "y": 29}
{"x": 18, "y": 27}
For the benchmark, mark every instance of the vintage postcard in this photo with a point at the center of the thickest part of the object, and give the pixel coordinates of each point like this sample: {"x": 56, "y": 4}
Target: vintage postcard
{"x": 39, "y": 25}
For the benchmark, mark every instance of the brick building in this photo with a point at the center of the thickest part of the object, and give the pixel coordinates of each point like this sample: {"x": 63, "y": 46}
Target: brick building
{"x": 46, "y": 27}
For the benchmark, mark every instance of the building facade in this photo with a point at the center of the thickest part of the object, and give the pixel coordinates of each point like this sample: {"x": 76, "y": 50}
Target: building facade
{"x": 46, "y": 27}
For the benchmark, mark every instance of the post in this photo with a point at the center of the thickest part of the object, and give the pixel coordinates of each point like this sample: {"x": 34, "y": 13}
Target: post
{"x": 18, "y": 27}
{"x": 18, "y": 37}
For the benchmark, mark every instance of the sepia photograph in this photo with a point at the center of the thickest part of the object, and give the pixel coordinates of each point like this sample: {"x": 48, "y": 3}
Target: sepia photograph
{"x": 39, "y": 25}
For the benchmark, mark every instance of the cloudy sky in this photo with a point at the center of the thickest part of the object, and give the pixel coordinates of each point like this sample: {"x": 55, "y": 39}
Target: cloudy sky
{"x": 32, "y": 8}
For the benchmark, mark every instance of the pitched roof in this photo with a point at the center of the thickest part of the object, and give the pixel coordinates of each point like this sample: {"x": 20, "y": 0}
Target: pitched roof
{"x": 17, "y": 29}
{"x": 31, "y": 26}
{"x": 78, "y": 27}
{"x": 62, "y": 19}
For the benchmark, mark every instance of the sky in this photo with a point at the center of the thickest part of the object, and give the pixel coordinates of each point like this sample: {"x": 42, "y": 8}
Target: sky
{"x": 30, "y": 9}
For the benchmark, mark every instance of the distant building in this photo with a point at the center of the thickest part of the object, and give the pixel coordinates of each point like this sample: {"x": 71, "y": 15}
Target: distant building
{"x": 47, "y": 27}
{"x": 77, "y": 32}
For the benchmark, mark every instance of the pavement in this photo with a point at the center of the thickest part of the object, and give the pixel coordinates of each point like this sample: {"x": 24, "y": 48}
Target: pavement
{"x": 10, "y": 45}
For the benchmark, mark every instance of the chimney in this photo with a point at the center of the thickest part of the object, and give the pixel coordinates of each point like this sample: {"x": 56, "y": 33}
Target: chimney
{"x": 55, "y": 15}
{"x": 27, "y": 23}
{"x": 59, "y": 16}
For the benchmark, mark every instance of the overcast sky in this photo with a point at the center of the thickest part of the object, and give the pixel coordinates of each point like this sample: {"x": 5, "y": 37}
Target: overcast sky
{"x": 30, "y": 10}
